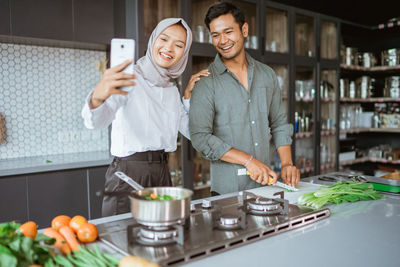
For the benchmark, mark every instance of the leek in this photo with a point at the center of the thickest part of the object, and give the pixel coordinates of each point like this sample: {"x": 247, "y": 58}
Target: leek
{"x": 338, "y": 193}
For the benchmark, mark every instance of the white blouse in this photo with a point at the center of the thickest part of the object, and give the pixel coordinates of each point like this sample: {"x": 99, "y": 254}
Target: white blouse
{"x": 148, "y": 118}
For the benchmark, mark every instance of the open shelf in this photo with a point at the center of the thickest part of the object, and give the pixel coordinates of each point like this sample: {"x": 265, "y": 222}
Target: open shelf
{"x": 371, "y": 69}
{"x": 368, "y": 159}
{"x": 369, "y": 100}
{"x": 371, "y": 130}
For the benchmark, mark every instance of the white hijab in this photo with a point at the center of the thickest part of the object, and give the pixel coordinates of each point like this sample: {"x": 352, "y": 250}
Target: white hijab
{"x": 148, "y": 68}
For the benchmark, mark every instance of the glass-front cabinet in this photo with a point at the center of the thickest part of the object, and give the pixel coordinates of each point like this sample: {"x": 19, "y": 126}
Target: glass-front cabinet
{"x": 201, "y": 166}
{"x": 250, "y": 10}
{"x": 304, "y": 119}
{"x": 175, "y": 164}
{"x": 282, "y": 73}
{"x": 328, "y": 84}
{"x": 304, "y": 36}
{"x": 329, "y": 40}
{"x": 199, "y": 10}
{"x": 157, "y": 10}
{"x": 276, "y": 30}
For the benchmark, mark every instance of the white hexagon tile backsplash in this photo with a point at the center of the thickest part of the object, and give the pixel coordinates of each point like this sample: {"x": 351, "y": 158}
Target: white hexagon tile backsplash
{"x": 42, "y": 91}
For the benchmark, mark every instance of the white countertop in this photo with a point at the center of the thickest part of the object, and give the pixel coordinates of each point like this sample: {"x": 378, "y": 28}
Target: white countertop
{"x": 27, "y": 165}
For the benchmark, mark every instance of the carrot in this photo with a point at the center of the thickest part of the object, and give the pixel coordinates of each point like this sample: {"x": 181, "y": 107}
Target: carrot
{"x": 61, "y": 243}
{"x": 69, "y": 235}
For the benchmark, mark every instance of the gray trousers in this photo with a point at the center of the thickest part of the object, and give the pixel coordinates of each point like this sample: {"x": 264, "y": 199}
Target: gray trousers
{"x": 149, "y": 169}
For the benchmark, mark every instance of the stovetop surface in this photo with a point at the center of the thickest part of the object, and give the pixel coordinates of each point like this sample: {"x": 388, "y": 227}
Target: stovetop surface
{"x": 203, "y": 239}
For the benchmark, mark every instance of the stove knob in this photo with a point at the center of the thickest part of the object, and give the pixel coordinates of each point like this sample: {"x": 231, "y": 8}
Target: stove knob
{"x": 206, "y": 204}
{"x": 192, "y": 207}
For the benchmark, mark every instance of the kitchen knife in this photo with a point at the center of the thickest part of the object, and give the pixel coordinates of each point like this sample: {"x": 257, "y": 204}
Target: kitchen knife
{"x": 279, "y": 184}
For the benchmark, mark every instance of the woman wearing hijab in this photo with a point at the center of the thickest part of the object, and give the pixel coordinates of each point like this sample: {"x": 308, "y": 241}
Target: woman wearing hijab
{"x": 145, "y": 121}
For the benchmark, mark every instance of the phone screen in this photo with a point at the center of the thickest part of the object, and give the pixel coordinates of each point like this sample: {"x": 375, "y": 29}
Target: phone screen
{"x": 122, "y": 50}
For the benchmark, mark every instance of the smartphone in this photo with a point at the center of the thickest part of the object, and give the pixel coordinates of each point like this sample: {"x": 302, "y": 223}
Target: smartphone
{"x": 121, "y": 50}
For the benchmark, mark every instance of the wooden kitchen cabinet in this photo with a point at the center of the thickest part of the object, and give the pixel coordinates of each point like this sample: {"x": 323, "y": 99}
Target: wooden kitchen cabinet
{"x": 4, "y": 17}
{"x": 96, "y": 178}
{"x": 42, "y": 196}
{"x": 93, "y": 21}
{"x": 13, "y": 199}
{"x": 49, "y": 19}
{"x": 89, "y": 21}
{"x": 56, "y": 193}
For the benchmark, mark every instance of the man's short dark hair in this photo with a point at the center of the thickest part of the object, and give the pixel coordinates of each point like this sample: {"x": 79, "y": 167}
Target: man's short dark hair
{"x": 222, "y": 9}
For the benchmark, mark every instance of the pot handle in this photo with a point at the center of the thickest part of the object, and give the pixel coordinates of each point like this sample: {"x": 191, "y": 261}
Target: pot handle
{"x": 128, "y": 180}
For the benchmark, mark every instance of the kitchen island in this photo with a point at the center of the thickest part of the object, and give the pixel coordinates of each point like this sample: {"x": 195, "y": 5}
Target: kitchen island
{"x": 356, "y": 234}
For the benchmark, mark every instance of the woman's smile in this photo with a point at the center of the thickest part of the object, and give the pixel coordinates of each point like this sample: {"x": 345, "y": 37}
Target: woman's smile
{"x": 169, "y": 46}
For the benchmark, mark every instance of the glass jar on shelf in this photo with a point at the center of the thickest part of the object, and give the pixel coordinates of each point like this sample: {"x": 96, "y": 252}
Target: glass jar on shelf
{"x": 250, "y": 11}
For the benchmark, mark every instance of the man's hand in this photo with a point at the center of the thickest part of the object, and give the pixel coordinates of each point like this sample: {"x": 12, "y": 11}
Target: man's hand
{"x": 260, "y": 172}
{"x": 290, "y": 175}
{"x": 110, "y": 83}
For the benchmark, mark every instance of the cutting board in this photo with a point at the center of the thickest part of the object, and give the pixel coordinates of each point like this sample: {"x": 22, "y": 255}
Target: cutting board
{"x": 268, "y": 191}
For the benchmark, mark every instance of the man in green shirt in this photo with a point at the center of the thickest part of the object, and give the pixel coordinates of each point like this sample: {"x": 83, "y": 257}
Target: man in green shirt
{"x": 234, "y": 110}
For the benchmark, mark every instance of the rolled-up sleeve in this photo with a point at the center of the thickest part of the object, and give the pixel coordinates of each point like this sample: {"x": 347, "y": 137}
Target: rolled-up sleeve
{"x": 201, "y": 120}
{"x": 281, "y": 130}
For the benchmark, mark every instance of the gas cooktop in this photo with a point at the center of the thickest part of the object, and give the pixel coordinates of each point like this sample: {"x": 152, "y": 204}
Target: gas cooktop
{"x": 212, "y": 227}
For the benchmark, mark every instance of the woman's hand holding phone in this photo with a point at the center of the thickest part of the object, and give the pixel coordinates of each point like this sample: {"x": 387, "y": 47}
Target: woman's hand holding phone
{"x": 112, "y": 79}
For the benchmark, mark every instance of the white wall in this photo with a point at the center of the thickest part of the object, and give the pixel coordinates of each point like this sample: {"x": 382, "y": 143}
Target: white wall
{"x": 42, "y": 91}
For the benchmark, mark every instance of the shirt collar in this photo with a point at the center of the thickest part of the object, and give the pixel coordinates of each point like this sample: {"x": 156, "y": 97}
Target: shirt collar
{"x": 220, "y": 66}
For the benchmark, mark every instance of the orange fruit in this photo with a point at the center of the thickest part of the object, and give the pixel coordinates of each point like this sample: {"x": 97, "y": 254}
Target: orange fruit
{"x": 60, "y": 221}
{"x": 29, "y": 229}
{"x": 76, "y": 222}
{"x": 87, "y": 233}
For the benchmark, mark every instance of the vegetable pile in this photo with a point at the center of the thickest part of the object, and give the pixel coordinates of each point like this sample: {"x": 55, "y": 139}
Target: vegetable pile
{"x": 16, "y": 249}
{"x": 21, "y": 245}
{"x": 160, "y": 197}
{"x": 338, "y": 193}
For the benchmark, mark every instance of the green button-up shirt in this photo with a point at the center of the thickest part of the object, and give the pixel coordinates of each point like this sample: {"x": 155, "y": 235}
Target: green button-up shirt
{"x": 223, "y": 115}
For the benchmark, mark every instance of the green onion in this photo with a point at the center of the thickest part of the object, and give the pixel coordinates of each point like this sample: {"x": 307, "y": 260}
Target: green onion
{"x": 338, "y": 193}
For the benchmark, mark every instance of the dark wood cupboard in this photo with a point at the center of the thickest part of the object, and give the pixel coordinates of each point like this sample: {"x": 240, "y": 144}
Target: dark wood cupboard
{"x": 48, "y": 19}
{"x": 42, "y": 196}
{"x": 57, "y": 193}
{"x": 5, "y": 17}
{"x": 93, "y": 21}
{"x": 13, "y": 199}
{"x": 88, "y": 21}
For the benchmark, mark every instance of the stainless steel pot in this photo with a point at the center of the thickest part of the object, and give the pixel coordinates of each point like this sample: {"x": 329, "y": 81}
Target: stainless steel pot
{"x": 156, "y": 212}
